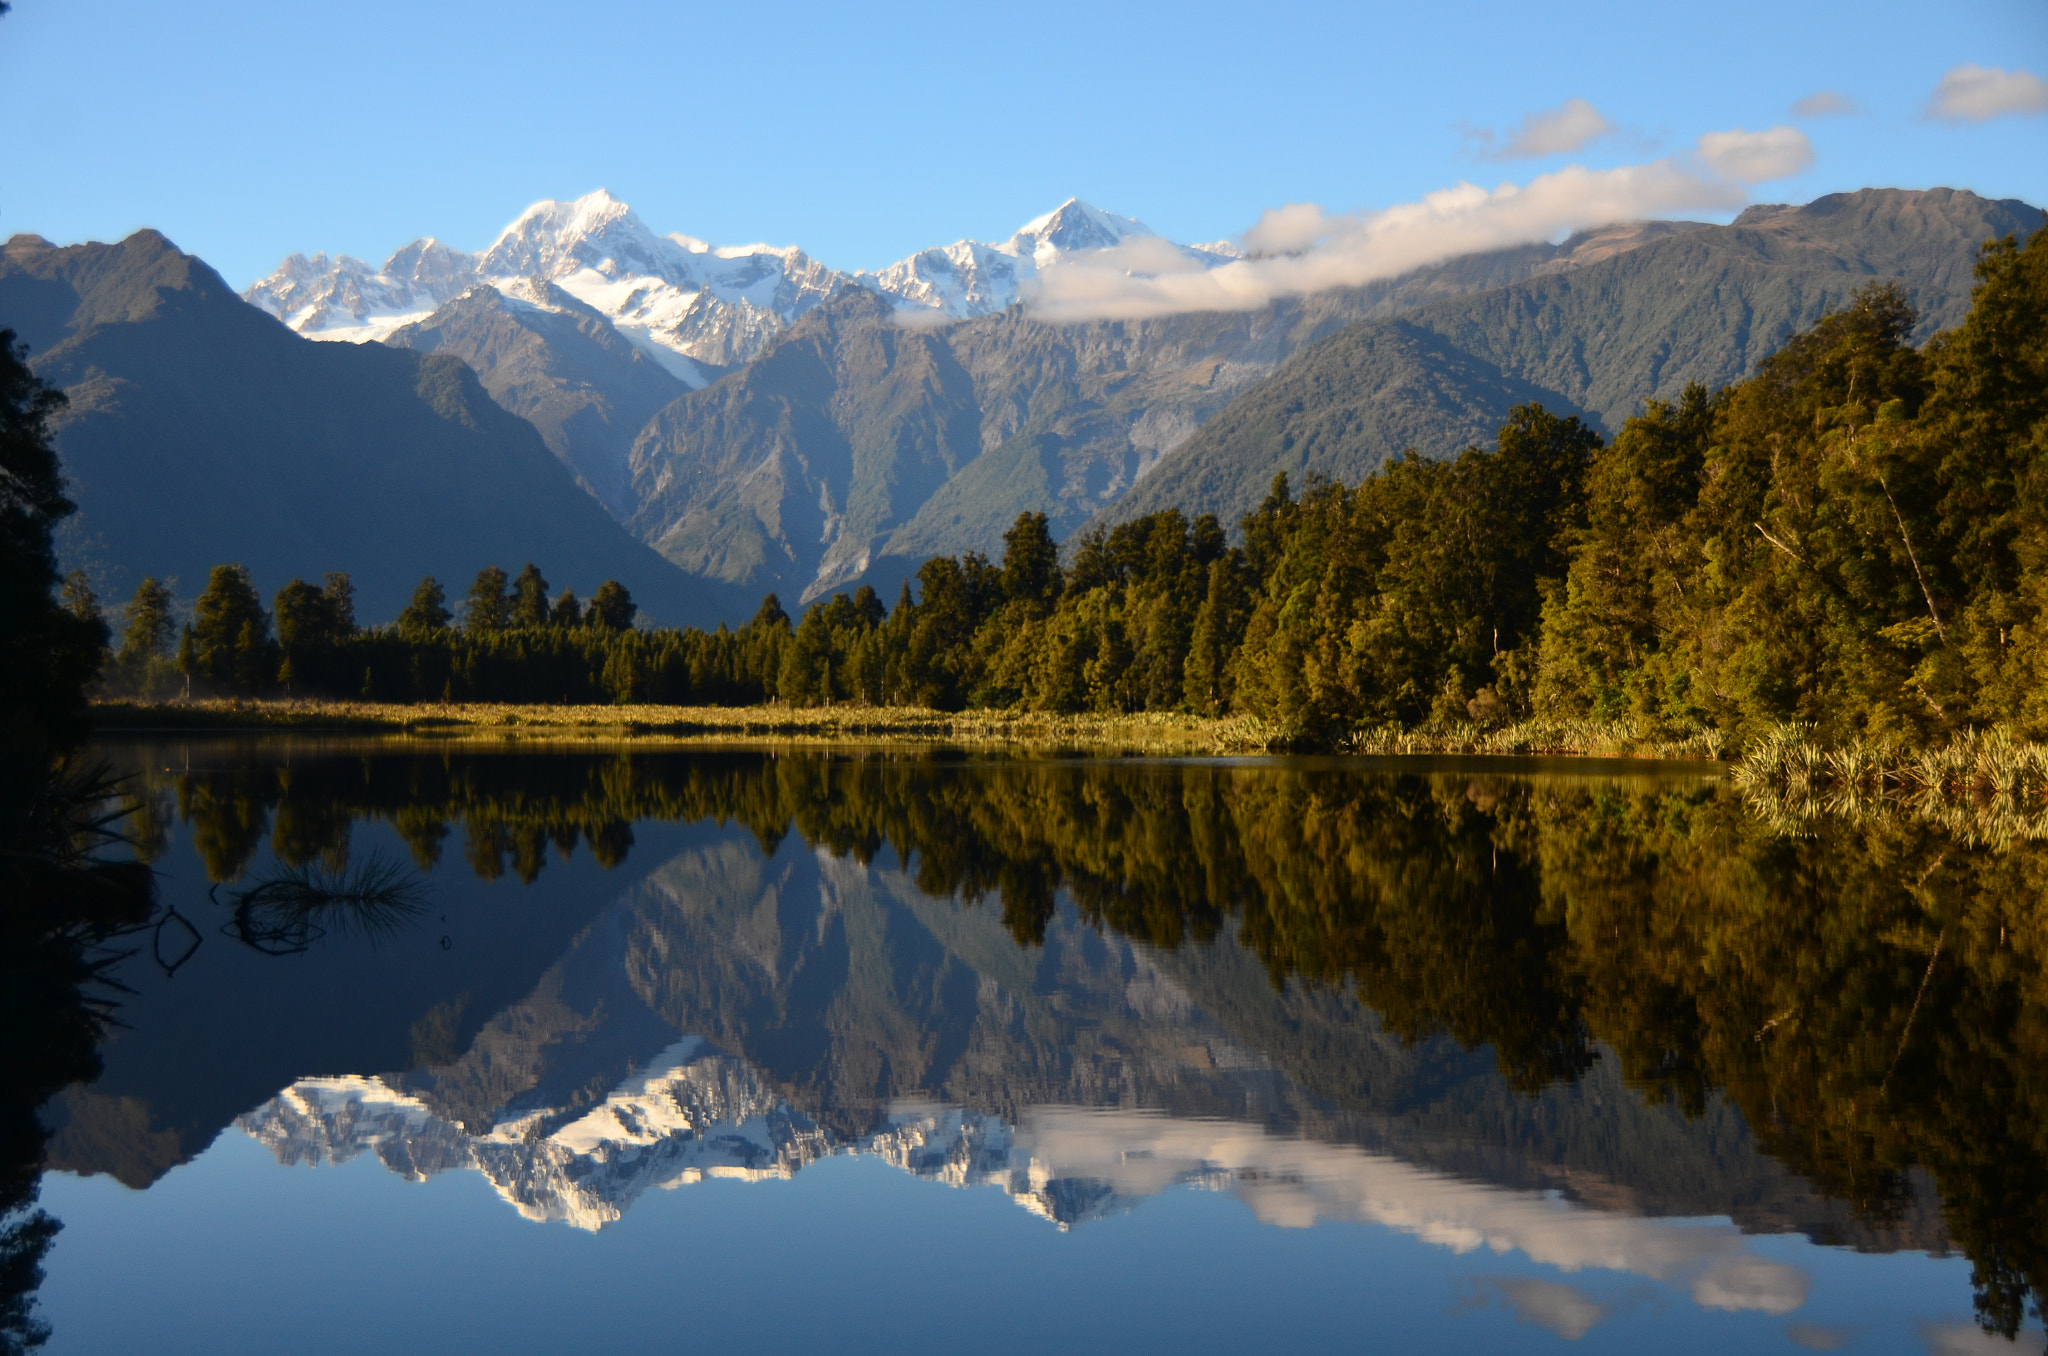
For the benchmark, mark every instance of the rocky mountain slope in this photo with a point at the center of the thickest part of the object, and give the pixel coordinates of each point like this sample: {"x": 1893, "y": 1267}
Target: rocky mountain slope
{"x": 201, "y": 432}
{"x": 558, "y": 364}
{"x": 756, "y": 481}
{"x": 1704, "y": 306}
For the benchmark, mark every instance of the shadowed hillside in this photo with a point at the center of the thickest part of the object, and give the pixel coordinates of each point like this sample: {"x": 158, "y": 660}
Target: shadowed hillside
{"x": 200, "y": 430}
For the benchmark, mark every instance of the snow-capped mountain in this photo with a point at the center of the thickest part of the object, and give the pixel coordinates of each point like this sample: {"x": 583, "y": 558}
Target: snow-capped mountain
{"x": 694, "y": 307}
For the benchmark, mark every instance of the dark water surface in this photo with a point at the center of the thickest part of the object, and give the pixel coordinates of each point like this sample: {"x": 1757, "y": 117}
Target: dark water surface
{"x": 876, "y": 1051}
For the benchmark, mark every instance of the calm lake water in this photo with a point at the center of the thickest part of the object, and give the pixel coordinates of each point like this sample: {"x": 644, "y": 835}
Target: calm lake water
{"x": 882, "y": 1050}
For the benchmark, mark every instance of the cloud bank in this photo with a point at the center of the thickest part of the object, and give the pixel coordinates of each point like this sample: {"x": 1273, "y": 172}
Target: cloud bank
{"x": 1554, "y": 131}
{"x": 1300, "y": 248}
{"x": 1980, "y": 93}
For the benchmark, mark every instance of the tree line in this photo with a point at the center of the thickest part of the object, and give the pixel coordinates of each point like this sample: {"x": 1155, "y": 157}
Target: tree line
{"x": 1856, "y": 536}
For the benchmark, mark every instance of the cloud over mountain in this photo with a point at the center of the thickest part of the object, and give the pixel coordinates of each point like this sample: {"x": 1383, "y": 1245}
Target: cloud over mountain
{"x": 1299, "y": 248}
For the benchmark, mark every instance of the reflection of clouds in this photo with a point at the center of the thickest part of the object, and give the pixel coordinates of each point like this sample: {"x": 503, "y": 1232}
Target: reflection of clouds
{"x": 1294, "y": 1183}
{"x": 1819, "y": 1336}
{"x": 1750, "y": 1283}
{"x": 1548, "y": 1304}
{"x": 1964, "y": 1339}
{"x": 693, "y": 1114}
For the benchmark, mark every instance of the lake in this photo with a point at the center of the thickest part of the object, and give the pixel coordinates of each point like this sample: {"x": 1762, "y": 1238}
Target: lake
{"x": 527, "y": 1048}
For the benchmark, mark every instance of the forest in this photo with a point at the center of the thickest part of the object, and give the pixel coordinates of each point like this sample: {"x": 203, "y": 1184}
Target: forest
{"x": 1854, "y": 538}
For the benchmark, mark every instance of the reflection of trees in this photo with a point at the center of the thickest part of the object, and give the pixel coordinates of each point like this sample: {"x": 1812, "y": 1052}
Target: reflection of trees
{"x": 1872, "y": 998}
{"x": 60, "y": 909}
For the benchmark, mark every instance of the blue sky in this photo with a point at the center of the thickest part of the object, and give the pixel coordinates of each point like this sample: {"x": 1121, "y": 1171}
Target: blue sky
{"x": 863, "y": 132}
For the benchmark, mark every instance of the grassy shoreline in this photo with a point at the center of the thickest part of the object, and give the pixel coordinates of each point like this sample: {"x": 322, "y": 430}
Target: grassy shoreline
{"x": 688, "y": 724}
{"x": 1144, "y": 733}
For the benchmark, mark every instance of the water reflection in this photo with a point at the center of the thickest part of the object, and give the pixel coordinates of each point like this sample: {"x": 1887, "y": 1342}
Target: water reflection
{"x": 1561, "y": 1016}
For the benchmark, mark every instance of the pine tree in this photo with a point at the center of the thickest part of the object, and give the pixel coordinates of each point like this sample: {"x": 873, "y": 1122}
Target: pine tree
{"x": 530, "y": 598}
{"x": 611, "y": 607}
{"x": 230, "y": 633}
{"x": 150, "y": 626}
{"x": 341, "y": 601}
{"x": 487, "y": 608}
{"x": 567, "y": 612}
{"x": 427, "y": 613}
{"x": 1031, "y": 562}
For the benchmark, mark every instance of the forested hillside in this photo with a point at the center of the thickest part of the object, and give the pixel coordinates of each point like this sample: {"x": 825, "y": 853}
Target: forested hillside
{"x": 1706, "y": 307}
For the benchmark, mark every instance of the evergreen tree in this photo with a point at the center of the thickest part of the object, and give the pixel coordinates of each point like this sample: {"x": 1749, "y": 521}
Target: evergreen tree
{"x": 341, "y": 601}
{"x": 312, "y": 625}
{"x": 611, "y": 607}
{"x": 230, "y": 634}
{"x": 567, "y": 612}
{"x": 427, "y": 613}
{"x": 149, "y": 628}
{"x": 48, "y": 655}
{"x": 487, "y": 608}
{"x": 530, "y": 598}
{"x": 1031, "y": 562}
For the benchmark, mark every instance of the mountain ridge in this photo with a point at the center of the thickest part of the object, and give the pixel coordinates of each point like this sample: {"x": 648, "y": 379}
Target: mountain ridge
{"x": 199, "y": 431}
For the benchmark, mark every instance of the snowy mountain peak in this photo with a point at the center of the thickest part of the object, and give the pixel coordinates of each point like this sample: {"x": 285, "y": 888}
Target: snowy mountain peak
{"x": 687, "y": 303}
{"x": 1075, "y": 225}
{"x": 597, "y": 231}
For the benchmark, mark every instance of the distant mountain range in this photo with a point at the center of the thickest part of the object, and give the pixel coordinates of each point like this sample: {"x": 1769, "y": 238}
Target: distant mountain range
{"x": 764, "y": 422}
{"x": 201, "y": 432}
{"x": 698, "y": 309}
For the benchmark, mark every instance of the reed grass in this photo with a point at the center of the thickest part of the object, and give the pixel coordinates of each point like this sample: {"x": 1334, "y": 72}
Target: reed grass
{"x": 1547, "y": 737}
{"x": 1141, "y": 733}
{"x": 1984, "y": 786}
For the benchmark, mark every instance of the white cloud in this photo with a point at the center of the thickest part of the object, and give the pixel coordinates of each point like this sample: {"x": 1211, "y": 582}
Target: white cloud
{"x": 1977, "y": 93}
{"x": 1554, "y": 131}
{"x": 1827, "y": 103}
{"x": 1299, "y": 248}
{"x": 1752, "y": 157}
{"x": 1749, "y": 1282}
{"x": 1548, "y": 1304}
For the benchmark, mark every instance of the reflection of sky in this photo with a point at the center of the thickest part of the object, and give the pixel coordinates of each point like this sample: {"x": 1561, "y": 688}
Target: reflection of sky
{"x": 232, "y": 1253}
{"x": 697, "y": 1115}
{"x": 1295, "y": 1183}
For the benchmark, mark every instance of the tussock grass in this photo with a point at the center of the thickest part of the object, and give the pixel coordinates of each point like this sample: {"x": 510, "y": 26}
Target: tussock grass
{"x": 1146, "y": 733}
{"x": 1599, "y": 738}
{"x": 1984, "y": 786}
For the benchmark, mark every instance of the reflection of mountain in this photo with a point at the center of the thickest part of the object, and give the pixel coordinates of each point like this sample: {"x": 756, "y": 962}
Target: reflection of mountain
{"x": 698, "y": 1114}
{"x": 737, "y": 1014}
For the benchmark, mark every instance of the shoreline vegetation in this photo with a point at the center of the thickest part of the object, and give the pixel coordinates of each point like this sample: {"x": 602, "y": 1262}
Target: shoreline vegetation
{"x": 1160, "y": 732}
{"x": 1164, "y": 733}
{"x": 1983, "y": 787}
